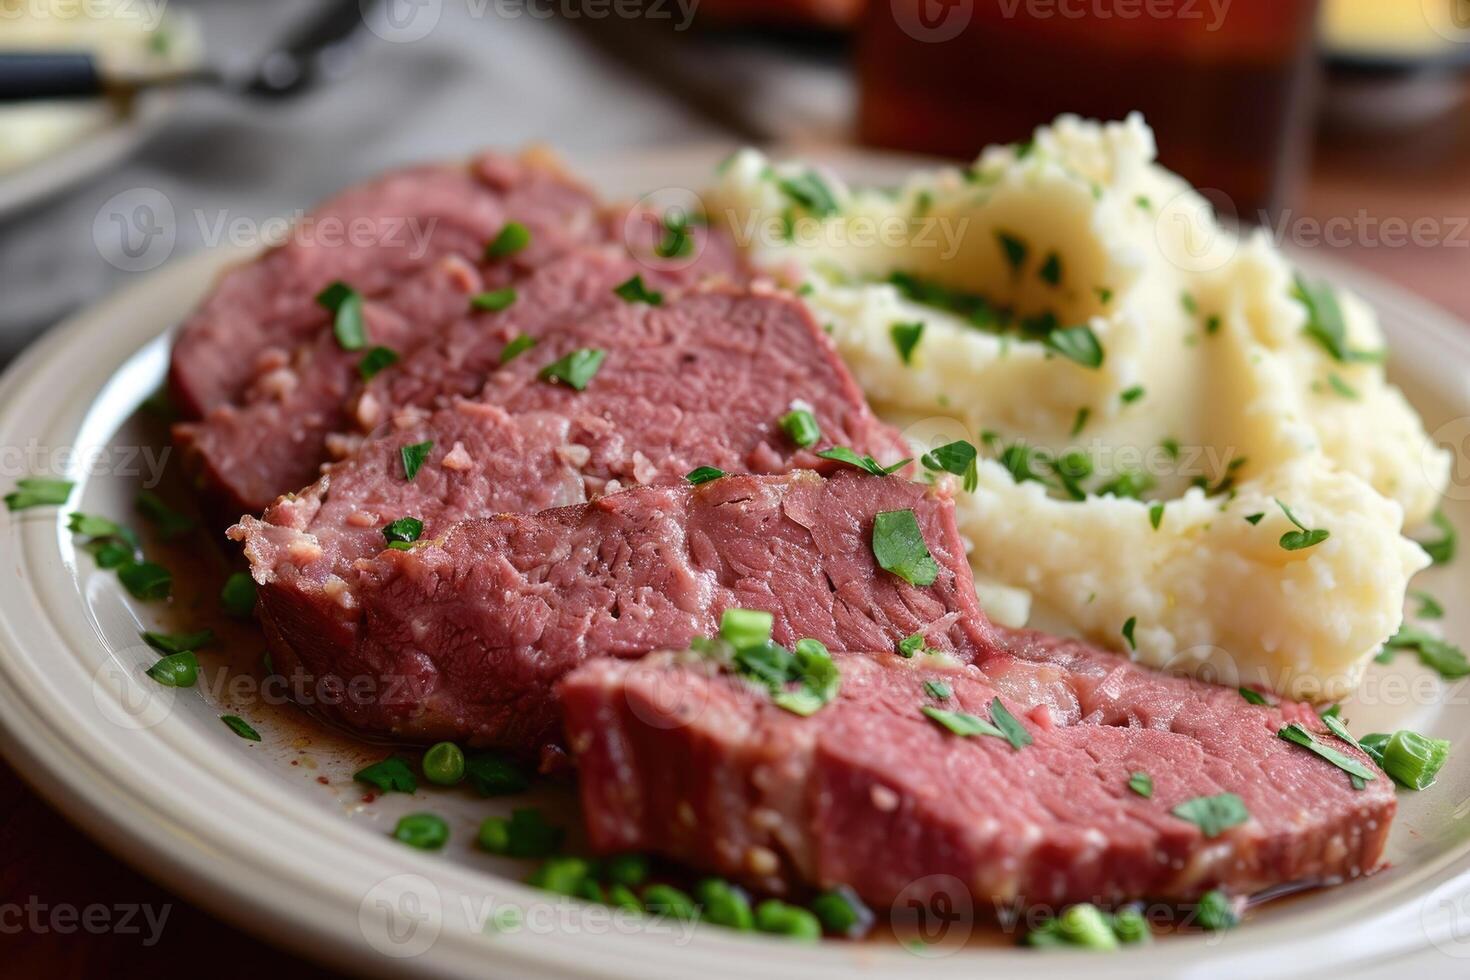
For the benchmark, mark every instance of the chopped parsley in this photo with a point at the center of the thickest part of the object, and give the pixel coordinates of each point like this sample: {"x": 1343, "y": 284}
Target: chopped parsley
{"x": 938, "y": 690}
{"x": 1131, "y": 484}
{"x": 576, "y": 369}
{"x": 1080, "y": 420}
{"x": 413, "y": 457}
{"x": 1441, "y": 551}
{"x": 634, "y": 291}
{"x": 957, "y": 457}
{"x": 494, "y": 300}
{"x": 169, "y": 522}
{"x": 1439, "y": 655}
{"x": 801, "y": 428}
{"x": 1015, "y": 250}
{"x": 1212, "y": 324}
{"x": 240, "y": 727}
{"x": 1142, "y": 784}
{"x": 517, "y": 346}
{"x": 1077, "y": 344}
{"x": 1298, "y": 735}
{"x": 905, "y": 338}
{"x": 1429, "y": 607}
{"x": 237, "y": 597}
{"x": 1051, "y": 270}
{"x": 911, "y": 645}
{"x": 513, "y": 237}
{"x": 899, "y": 547}
{"x": 1104, "y": 294}
{"x": 376, "y": 360}
{"x": 402, "y": 533}
{"x": 1004, "y": 725}
{"x": 1254, "y": 518}
{"x": 676, "y": 242}
{"x": 1156, "y": 513}
{"x": 1170, "y": 446}
{"x": 1303, "y": 537}
{"x": 1335, "y": 382}
{"x": 745, "y": 645}
{"x": 1325, "y": 323}
{"x": 345, "y": 305}
{"x": 1131, "y": 395}
{"x": 1191, "y": 306}
{"x": 867, "y": 464}
{"x": 35, "y": 491}
{"x": 703, "y": 474}
{"x": 1213, "y": 815}
{"x": 811, "y": 192}
{"x": 146, "y": 580}
{"x": 392, "y": 775}
{"x": 1128, "y": 632}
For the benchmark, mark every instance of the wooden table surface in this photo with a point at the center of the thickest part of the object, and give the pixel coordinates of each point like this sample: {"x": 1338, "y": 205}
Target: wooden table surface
{"x": 49, "y": 867}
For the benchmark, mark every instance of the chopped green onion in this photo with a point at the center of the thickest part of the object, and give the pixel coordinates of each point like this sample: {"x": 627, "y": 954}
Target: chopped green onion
{"x": 443, "y": 764}
{"x": 176, "y": 670}
{"x": 1010, "y": 729}
{"x": 240, "y": 727}
{"x": 1156, "y": 514}
{"x": 743, "y": 628}
{"x": 495, "y": 300}
{"x": 425, "y": 831}
{"x": 526, "y": 834}
{"x": 1254, "y": 697}
{"x": 801, "y": 427}
{"x": 1325, "y": 322}
{"x": 787, "y": 920}
{"x": 1411, "y": 759}
{"x": 1298, "y": 735}
{"x": 961, "y": 723}
{"x": 910, "y": 645}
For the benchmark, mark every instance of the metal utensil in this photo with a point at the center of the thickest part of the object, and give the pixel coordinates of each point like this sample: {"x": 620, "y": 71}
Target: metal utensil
{"x": 313, "y": 52}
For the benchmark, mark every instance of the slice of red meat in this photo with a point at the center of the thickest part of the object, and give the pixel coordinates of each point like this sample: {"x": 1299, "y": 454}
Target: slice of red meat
{"x": 679, "y": 759}
{"x": 273, "y": 435}
{"x": 465, "y": 634}
{"x": 370, "y": 236}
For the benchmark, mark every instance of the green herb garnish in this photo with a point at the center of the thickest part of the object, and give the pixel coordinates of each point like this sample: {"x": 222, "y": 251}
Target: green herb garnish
{"x": 517, "y": 346}
{"x": 1156, "y": 513}
{"x": 1410, "y": 759}
{"x": 1142, "y": 784}
{"x": 576, "y": 369}
{"x": 634, "y": 291}
{"x": 1213, "y": 815}
{"x": 957, "y": 457}
{"x": 240, "y": 727}
{"x": 938, "y": 690}
{"x": 146, "y": 580}
{"x": 376, "y": 360}
{"x": 513, "y": 237}
{"x": 35, "y": 491}
{"x": 178, "y": 642}
{"x": 413, "y": 457}
{"x": 1078, "y": 344}
{"x": 1303, "y": 537}
{"x": 345, "y": 305}
{"x": 905, "y": 338}
{"x": 868, "y": 464}
{"x": 703, "y": 474}
{"x": 899, "y": 547}
{"x": 526, "y": 834}
{"x": 176, "y": 670}
{"x": 1298, "y": 735}
{"x": 1015, "y": 250}
{"x": 402, "y": 533}
{"x": 1128, "y": 632}
{"x": 170, "y": 523}
{"x": 1051, "y": 270}
{"x": 1436, "y": 653}
{"x": 1429, "y": 607}
{"x": 1442, "y": 551}
{"x": 392, "y": 775}
{"x": 810, "y": 192}
{"x": 495, "y": 300}
{"x": 801, "y": 427}
{"x": 238, "y": 595}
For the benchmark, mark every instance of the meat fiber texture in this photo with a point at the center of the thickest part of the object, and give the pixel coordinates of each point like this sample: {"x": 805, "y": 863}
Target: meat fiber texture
{"x": 465, "y": 635}
{"x": 261, "y": 376}
{"x": 678, "y": 759}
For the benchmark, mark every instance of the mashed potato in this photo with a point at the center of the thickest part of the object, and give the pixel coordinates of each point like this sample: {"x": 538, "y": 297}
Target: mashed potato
{"x": 1152, "y": 394}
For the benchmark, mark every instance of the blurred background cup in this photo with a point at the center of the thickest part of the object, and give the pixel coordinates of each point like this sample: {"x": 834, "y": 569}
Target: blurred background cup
{"x": 1226, "y": 84}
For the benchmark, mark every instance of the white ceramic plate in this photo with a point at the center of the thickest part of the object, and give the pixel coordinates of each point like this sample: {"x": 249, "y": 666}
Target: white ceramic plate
{"x": 274, "y": 835}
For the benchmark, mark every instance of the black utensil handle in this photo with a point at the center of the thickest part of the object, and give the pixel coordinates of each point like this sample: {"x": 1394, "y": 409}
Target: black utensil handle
{"x": 25, "y": 76}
